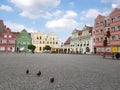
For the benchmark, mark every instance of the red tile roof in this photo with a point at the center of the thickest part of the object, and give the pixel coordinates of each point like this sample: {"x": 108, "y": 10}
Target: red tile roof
{"x": 67, "y": 42}
{"x": 1, "y": 22}
{"x": 115, "y": 12}
{"x": 80, "y": 32}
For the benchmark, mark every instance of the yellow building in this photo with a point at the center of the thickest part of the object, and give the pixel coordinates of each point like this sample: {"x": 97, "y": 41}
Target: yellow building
{"x": 40, "y": 40}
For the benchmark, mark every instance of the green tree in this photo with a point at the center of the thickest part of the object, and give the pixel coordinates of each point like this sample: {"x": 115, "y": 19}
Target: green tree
{"x": 31, "y": 47}
{"x": 47, "y": 47}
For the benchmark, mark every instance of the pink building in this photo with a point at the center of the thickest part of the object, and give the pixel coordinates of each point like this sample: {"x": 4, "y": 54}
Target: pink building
{"x": 101, "y": 26}
{"x": 7, "y": 41}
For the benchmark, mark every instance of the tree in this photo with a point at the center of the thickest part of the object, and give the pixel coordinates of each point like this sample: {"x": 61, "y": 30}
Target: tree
{"x": 87, "y": 49}
{"x": 31, "y": 47}
{"x": 47, "y": 47}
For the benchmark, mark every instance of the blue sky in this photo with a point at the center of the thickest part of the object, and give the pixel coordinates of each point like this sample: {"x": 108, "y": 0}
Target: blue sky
{"x": 59, "y": 16}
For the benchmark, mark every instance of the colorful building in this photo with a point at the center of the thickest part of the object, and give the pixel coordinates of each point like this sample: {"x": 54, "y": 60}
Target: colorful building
{"x": 23, "y": 40}
{"x": 2, "y": 27}
{"x": 7, "y": 41}
{"x": 40, "y": 40}
{"x": 80, "y": 41}
{"x": 102, "y": 25}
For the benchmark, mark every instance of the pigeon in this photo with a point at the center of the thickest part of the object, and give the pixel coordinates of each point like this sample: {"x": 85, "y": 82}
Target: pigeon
{"x": 27, "y": 71}
{"x": 39, "y": 73}
{"x": 52, "y": 80}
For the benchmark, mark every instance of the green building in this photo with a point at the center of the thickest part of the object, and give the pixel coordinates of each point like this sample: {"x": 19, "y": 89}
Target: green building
{"x": 23, "y": 40}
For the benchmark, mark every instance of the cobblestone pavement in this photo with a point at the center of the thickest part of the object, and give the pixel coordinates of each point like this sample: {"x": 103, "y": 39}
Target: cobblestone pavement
{"x": 71, "y": 72}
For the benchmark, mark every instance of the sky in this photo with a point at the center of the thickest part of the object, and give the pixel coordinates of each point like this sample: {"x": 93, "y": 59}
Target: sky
{"x": 58, "y": 16}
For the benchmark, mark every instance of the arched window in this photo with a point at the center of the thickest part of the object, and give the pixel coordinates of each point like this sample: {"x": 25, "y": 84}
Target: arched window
{"x": 40, "y": 48}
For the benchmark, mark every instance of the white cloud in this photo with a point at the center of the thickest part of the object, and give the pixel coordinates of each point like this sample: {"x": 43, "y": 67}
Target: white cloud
{"x": 70, "y": 14}
{"x": 36, "y": 8}
{"x": 115, "y": 3}
{"x": 6, "y": 8}
{"x": 63, "y": 23}
{"x": 17, "y": 27}
{"x": 92, "y": 13}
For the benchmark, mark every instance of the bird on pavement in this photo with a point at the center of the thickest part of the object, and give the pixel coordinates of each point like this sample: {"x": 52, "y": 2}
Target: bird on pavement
{"x": 51, "y": 80}
{"x": 27, "y": 71}
{"x": 39, "y": 73}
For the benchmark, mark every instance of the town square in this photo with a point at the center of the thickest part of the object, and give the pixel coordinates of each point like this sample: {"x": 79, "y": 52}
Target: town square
{"x": 70, "y": 72}
{"x": 59, "y": 45}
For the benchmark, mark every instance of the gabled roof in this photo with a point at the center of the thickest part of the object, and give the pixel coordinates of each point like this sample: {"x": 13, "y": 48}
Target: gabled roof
{"x": 1, "y": 22}
{"x": 15, "y": 33}
{"x": 80, "y": 32}
{"x": 115, "y": 12}
{"x": 67, "y": 42}
{"x": 90, "y": 29}
{"x": 99, "y": 17}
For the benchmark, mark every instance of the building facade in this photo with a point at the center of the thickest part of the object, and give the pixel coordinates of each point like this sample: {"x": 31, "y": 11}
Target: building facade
{"x": 2, "y": 27}
{"x": 7, "y": 41}
{"x": 102, "y": 25}
{"x": 23, "y": 40}
{"x": 66, "y": 46}
{"x": 40, "y": 40}
{"x": 81, "y": 40}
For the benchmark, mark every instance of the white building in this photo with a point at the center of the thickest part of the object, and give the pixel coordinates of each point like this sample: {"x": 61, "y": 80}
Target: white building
{"x": 81, "y": 41}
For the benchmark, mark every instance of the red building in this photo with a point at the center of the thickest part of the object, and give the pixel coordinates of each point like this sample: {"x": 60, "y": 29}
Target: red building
{"x": 103, "y": 25}
{"x": 7, "y": 41}
{"x": 2, "y": 27}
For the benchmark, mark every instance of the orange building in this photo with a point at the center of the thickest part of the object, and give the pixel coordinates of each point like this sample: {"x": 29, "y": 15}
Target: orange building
{"x": 101, "y": 26}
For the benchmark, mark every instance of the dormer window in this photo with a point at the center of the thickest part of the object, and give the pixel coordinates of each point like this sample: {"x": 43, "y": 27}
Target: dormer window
{"x": 10, "y": 36}
{"x": 5, "y": 36}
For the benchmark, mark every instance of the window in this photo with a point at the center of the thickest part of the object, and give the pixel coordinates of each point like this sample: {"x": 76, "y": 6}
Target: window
{"x": 4, "y": 41}
{"x": 119, "y": 18}
{"x": 94, "y": 39}
{"x": 10, "y": 36}
{"x": 9, "y": 48}
{"x": 113, "y": 38}
{"x": 11, "y": 41}
{"x": 118, "y": 27}
{"x": 97, "y": 39}
{"x": 101, "y": 23}
{"x": 101, "y": 31}
{"x": 113, "y": 19}
{"x": 40, "y": 37}
{"x": 37, "y": 37}
{"x": 101, "y": 38}
{"x": 2, "y": 48}
{"x": 119, "y": 37}
{"x": 113, "y": 29}
{"x": 40, "y": 48}
{"x": 56, "y": 42}
{"x": 5, "y": 36}
{"x": 97, "y": 31}
{"x": 97, "y": 24}
{"x": 40, "y": 42}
